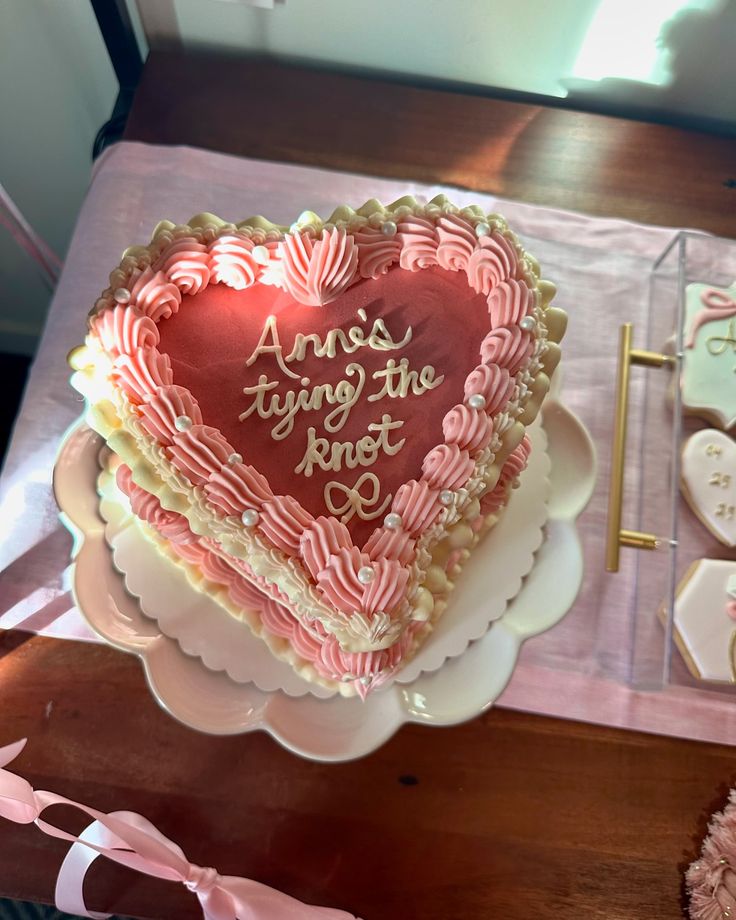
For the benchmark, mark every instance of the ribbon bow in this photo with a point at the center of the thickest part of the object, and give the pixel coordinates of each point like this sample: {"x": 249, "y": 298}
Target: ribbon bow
{"x": 716, "y": 305}
{"x": 131, "y": 840}
{"x": 355, "y": 502}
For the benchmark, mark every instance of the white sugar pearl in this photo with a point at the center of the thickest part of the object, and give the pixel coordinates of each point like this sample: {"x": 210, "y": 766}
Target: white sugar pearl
{"x": 388, "y": 228}
{"x": 392, "y": 521}
{"x": 234, "y": 458}
{"x": 482, "y": 229}
{"x": 528, "y": 323}
{"x": 261, "y": 255}
{"x": 250, "y": 517}
{"x": 477, "y": 401}
{"x": 365, "y": 681}
{"x": 122, "y": 295}
{"x": 182, "y": 423}
{"x": 366, "y": 574}
{"x": 447, "y": 497}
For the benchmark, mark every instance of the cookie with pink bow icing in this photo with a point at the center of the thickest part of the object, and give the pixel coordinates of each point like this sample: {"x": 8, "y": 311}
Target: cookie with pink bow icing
{"x": 709, "y": 354}
{"x": 323, "y": 418}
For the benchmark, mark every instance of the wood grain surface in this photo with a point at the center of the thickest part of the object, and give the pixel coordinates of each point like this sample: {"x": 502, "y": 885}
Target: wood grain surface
{"x": 510, "y": 816}
{"x": 552, "y": 156}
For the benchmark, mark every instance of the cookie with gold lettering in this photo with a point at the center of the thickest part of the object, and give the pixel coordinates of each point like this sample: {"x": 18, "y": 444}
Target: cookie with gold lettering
{"x": 705, "y": 619}
{"x": 324, "y": 417}
{"x": 709, "y": 354}
{"x": 708, "y": 481}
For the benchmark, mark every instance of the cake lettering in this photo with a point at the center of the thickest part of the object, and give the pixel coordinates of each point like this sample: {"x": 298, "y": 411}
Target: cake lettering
{"x": 709, "y": 481}
{"x": 717, "y": 305}
{"x": 364, "y": 452}
{"x": 355, "y": 502}
{"x": 399, "y": 379}
{"x": 717, "y": 344}
{"x": 396, "y": 380}
{"x": 344, "y": 395}
{"x": 379, "y": 338}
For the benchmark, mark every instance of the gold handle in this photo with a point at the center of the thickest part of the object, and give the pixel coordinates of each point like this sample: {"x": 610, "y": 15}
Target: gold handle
{"x": 616, "y": 536}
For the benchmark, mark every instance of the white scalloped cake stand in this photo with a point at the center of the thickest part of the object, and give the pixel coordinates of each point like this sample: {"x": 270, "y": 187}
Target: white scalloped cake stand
{"x": 336, "y": 728}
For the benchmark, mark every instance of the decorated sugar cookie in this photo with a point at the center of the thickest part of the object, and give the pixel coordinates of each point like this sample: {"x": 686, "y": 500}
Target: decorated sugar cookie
{"x": 705, "y": 619}
{"x": 708, "y": 481}
{"x": 709, "y": 362}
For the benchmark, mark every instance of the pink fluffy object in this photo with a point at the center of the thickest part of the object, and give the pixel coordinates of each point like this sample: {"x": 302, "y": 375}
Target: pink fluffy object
{"x": 711, "y": 879}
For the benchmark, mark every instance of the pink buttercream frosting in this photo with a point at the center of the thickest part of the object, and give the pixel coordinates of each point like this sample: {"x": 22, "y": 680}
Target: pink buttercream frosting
{"x": 508, "y": 347}
{"x": 390, "y": 544}
{"x": 169, "y": 524}
{"x": 386, "y": 590}
{"x": 192, "y": 553}
{"x": 513, "y": 467}
{"x": 215, "y": 568}
{"x": 418, "y": 504}
{"x": 493, "y": 383}
{"x": 377, "y": 252}
{"x": 198, "y": 452}
{"x": 142, "y": 372}
{"x": 231, "y": 261}
{"x": 278, "y": 620}
{"x": 457, "y": 242}
{"x": 283, "y": 521}
{"x": 122, "y": 330}
{"x": 339, "y": 578}
{"x": 160, "y": 409}
{"x": 509, "y": 302}
{"x": 418, "y": 238}
{"x": 339, "y": 581}
{"x": 447, "y": 467}
{"x": 315, "y": 273}
{"x": 153, "y": 294}
{"x": 234, "y": 489}
{"x": 186, "y": 263}
{"x": 492, "y": 263}
{"x": 334, "y": 661}
{"x": 323, "y": 537}
{"x": 470, "y": 429}
{"x": 375, "y": 667}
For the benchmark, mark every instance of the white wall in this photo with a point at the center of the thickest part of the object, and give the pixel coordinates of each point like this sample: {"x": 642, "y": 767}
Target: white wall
{"x": 56, "y": 88}
{"x": 622, "y": 52}
{"x": 519, "y": 44}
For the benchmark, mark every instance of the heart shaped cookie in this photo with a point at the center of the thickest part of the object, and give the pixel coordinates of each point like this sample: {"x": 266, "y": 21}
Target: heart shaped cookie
{"x": 324, "y": 418}
{"x": 709, "y": 481}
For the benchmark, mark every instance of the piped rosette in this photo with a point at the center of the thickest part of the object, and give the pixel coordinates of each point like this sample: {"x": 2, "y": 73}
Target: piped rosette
{"x": 344, "y": 613}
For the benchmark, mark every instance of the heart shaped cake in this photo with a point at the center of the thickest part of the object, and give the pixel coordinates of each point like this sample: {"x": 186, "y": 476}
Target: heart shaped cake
{"x": 321, "y": 421}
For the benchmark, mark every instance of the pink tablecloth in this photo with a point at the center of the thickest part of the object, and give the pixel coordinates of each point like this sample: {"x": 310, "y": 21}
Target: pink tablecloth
{"x": 578, "y": 670}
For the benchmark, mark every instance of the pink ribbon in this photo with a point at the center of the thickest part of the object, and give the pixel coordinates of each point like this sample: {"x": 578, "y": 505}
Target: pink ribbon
{"x": 717, "y": 306}
{"x": 131, "y": 840}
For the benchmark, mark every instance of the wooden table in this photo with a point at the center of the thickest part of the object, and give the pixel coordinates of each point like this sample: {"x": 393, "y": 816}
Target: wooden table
{"x": 510, "y": 816}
